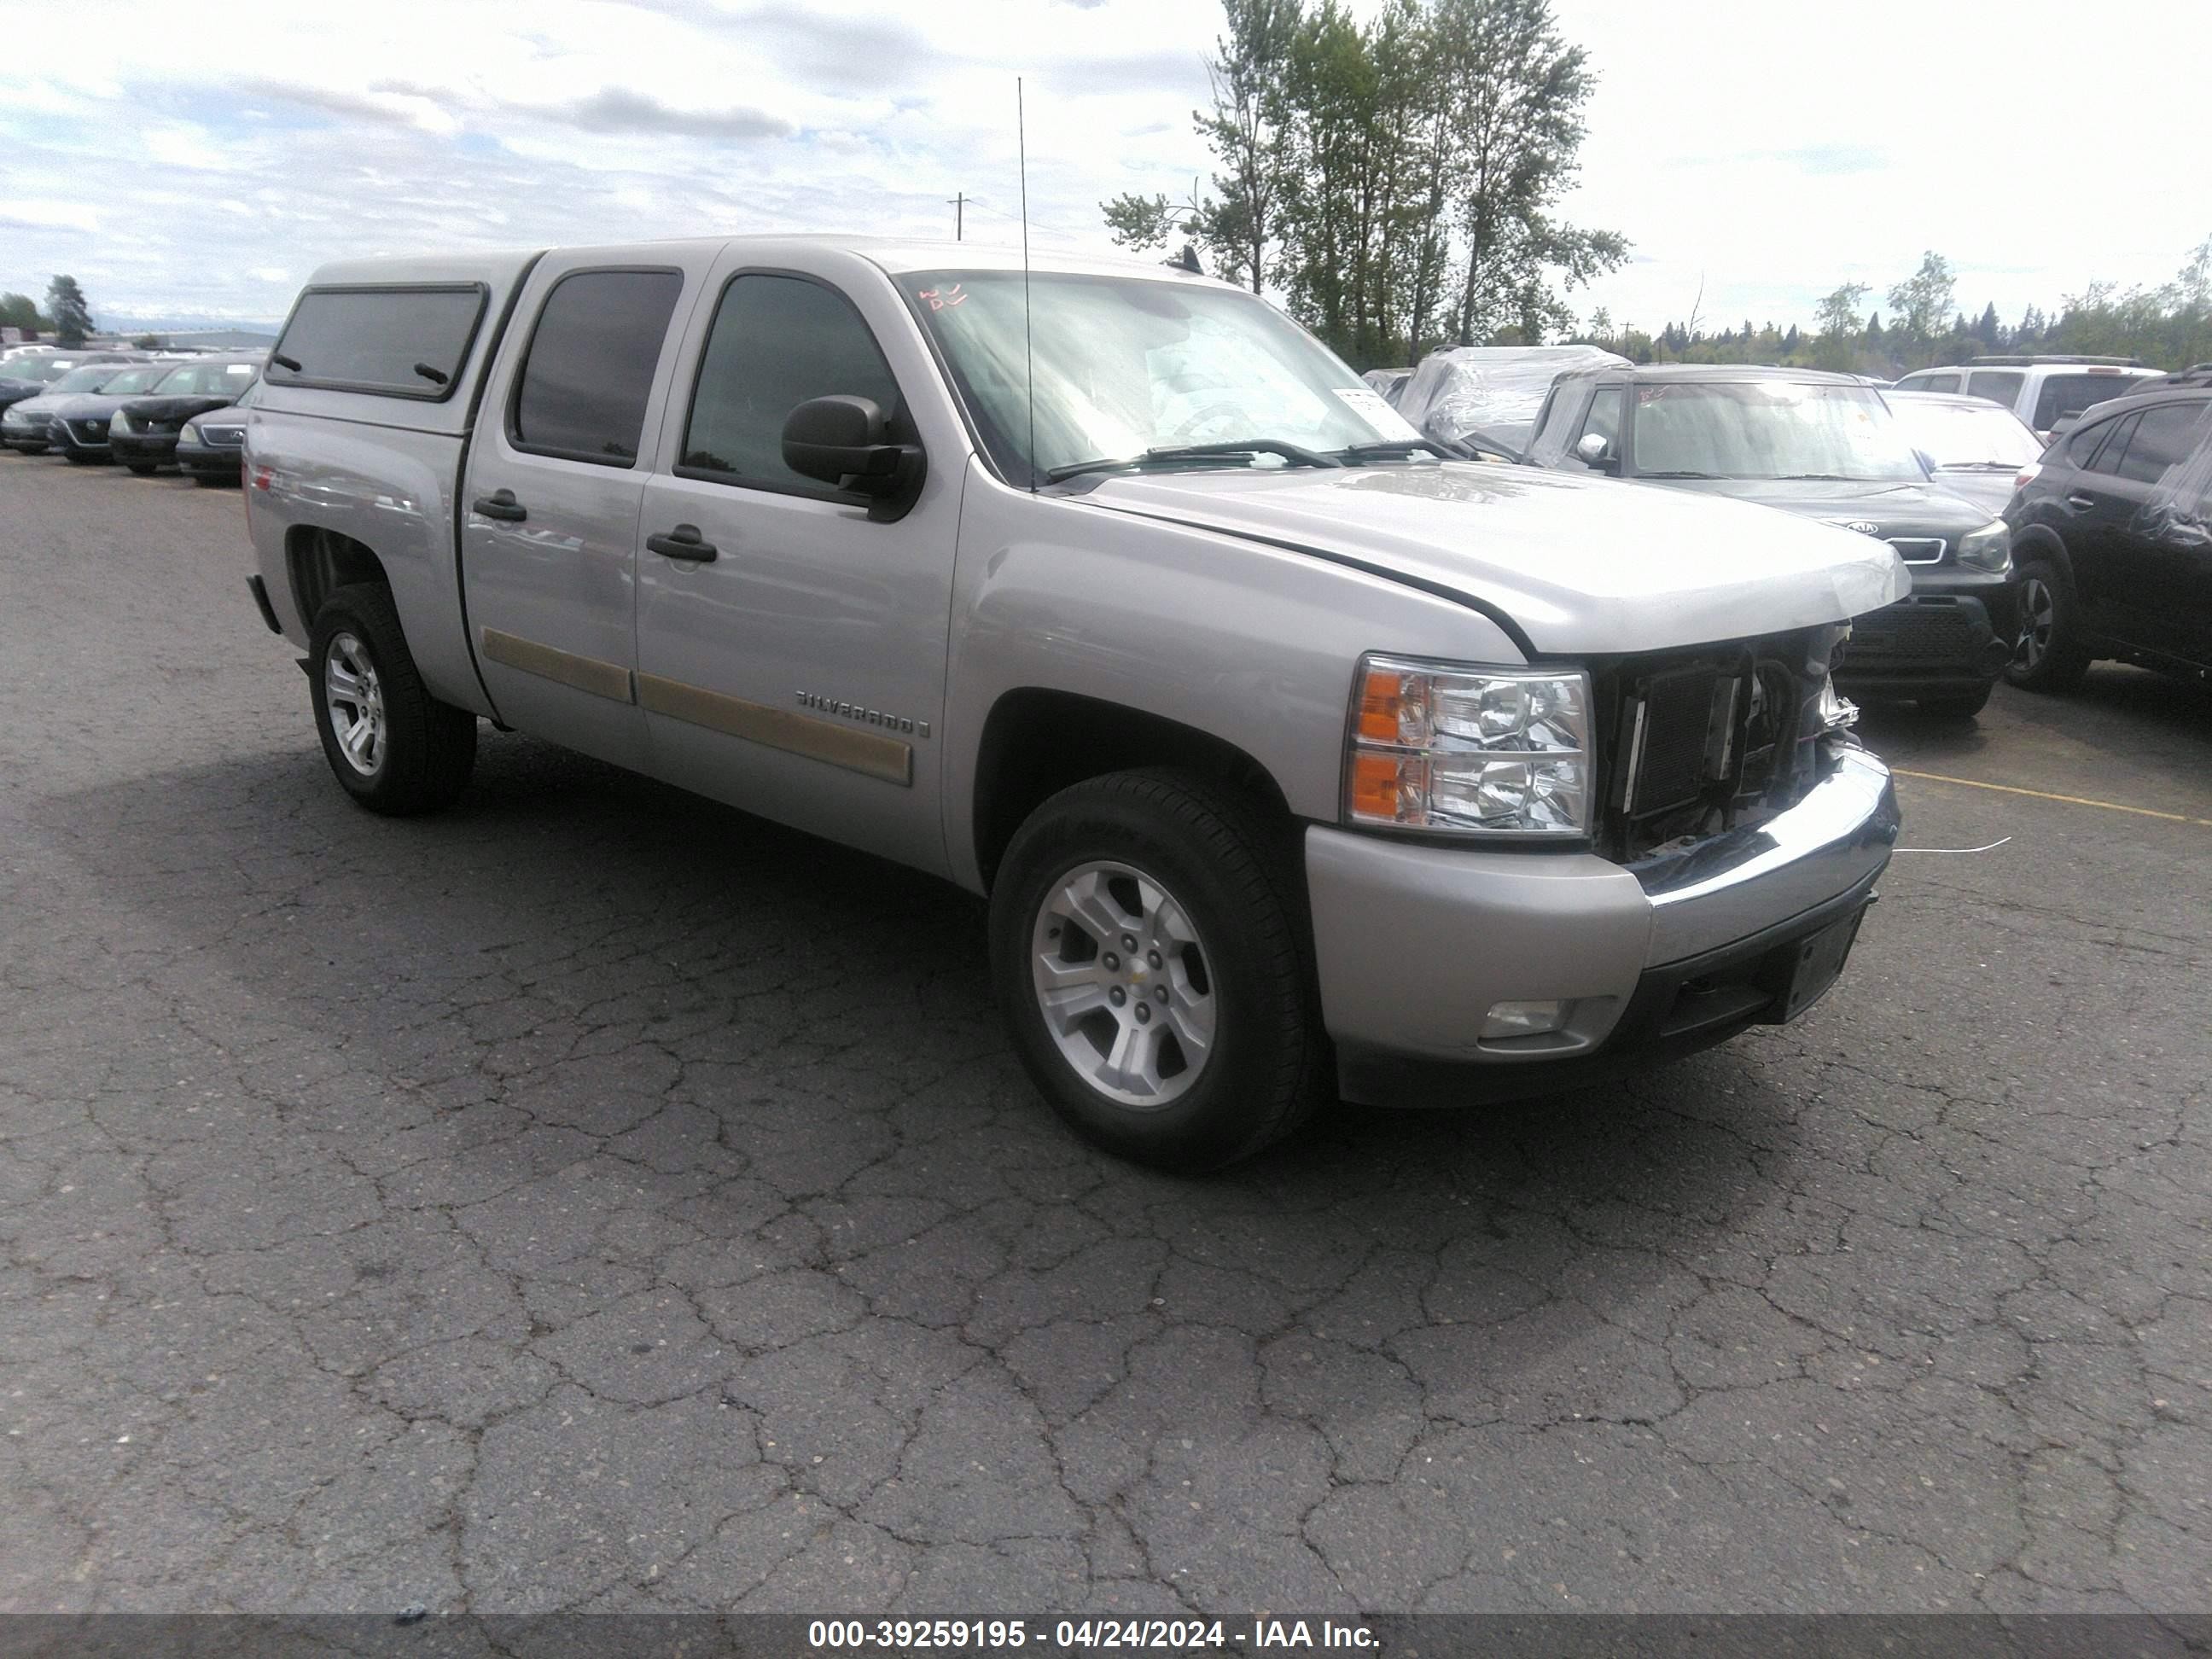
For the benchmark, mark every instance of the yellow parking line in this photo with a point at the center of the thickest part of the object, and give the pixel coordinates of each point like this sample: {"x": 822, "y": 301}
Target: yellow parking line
{"x": 2045, "y": 795}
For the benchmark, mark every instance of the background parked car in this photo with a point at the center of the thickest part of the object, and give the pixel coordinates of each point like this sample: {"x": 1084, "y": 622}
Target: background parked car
{"x": 2046, "y": 392}
{"x": 1388, "y": 381}
{"x": 1822, "y": 446}
{"x": 32, "y": 370}
{"x": 1977, "y": 447}
{"x": 2113, "y": 535}
{"x": 211, "y": 446}
{"x": 78, "y": 423}
{"x": 24, "y": 425}
{"x": 1493, "y": 391}
{"x": 146, "y": 430}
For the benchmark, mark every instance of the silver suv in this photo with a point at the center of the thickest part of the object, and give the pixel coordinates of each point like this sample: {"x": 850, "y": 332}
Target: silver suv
{"x": 1294, "y": 758}
{"x": 2046, "y": 392}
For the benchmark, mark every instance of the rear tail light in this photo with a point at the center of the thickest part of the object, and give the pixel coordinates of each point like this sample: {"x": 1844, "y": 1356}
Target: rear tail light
{"x": 2027, "y": 475}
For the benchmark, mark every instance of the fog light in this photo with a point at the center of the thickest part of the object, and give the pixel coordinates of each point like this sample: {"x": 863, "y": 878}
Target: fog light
{"x": 1522, "y": 1020}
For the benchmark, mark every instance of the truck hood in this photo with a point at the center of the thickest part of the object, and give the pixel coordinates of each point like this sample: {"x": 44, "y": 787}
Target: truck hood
{"x": 1580, "y": 565}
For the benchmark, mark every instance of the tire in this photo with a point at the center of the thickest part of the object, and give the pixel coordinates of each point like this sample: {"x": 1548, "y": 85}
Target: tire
{"x": 140, "y": 469}
{"x": 1963, "y": 707}
{"x": 1159, "y": 857}
{"x": 416, "y": 753}
{"x": 2050, "y": 656}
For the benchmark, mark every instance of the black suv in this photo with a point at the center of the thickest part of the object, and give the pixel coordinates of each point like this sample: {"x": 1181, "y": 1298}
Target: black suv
{"x": 2112, "y": 532}
{"x": 1823, "y": 447}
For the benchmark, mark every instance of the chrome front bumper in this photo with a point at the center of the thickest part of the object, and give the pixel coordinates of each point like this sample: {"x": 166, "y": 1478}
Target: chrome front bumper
{"x": 1413, "y": 944}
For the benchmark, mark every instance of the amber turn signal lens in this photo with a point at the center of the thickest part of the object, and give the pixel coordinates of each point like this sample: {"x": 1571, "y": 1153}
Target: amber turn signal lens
{"x": 1388, "y": 787}
{"x": 1381, "y": 704}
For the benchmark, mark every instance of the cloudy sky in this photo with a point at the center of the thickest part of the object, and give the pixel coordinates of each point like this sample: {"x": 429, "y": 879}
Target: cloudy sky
{"x": 180, "y": 163}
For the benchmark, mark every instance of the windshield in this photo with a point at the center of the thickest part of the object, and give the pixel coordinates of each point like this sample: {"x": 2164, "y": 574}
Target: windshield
{"x": 1769, "y": 429}
{"x": 44, "y": 370}
{"x": 207, "y": 379}
{"x": 1959, "y": 435}
{"x": 90, "y": 378}
{"x": 134, "y": 379}
{"x": 1125, "y": 364}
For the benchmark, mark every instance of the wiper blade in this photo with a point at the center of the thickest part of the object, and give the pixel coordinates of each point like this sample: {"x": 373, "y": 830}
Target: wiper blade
{"x": 1295, "y": 454}
{"x": 1677, "y": 472}
{"x": 1386, "y": 447}
{"x": 1821, "y": 477}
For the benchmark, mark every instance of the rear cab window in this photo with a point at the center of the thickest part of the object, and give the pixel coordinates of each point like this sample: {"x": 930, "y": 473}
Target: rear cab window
{"x": 586, "y": 374}
{"x": 397, "y": 341}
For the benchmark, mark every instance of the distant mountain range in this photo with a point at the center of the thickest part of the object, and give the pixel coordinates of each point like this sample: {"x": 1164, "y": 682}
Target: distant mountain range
{"x": 119, "y": 322}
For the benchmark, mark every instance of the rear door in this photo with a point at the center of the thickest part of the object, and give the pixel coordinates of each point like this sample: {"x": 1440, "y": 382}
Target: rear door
{"x": 2157, "y": 554}
{"x": 548, "y": 537}
{"x": 2090, "y": 513}
{"x": 797, "y": 670}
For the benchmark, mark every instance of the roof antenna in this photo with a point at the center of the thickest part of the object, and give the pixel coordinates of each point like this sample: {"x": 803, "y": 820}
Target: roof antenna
{"x": 1028, "y": 337}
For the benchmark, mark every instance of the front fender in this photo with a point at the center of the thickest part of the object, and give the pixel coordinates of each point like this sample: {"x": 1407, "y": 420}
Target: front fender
{"x": 1249, "y": 643}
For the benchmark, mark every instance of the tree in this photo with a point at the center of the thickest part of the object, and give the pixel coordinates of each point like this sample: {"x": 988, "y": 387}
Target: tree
{"x": 1986, "y": 330}
{"x": 1244, "y": 128}
{"x": 1923, "y": 298}
{"x": 1518, "y": 95}
{"x": 65, "y": 302}
{"x": 1838, "y": 317}
{"x": 20, "y": 311}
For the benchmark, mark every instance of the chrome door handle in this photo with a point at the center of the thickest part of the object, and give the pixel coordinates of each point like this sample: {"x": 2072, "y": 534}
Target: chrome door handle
{"x": 2082, "y": 502}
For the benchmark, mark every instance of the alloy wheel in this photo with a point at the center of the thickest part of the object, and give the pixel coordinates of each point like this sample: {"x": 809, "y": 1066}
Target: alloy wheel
{"x": 355, "y": 699}
{"x": 1122, "y": 980}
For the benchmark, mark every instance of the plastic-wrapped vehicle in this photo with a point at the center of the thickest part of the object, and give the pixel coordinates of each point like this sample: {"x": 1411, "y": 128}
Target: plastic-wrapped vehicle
{"x": 1492, "y": 392}
{"x": 1388, "y": 381}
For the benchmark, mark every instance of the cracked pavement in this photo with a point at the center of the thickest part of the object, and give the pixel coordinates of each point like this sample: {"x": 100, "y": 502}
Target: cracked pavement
{"x": 595, "y": 1199}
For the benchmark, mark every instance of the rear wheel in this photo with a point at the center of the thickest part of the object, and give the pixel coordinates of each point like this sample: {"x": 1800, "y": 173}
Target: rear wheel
{"x": 2050, "y": 656}
{"x": 1144, "y": 954}
{"x": 392, "y": 745}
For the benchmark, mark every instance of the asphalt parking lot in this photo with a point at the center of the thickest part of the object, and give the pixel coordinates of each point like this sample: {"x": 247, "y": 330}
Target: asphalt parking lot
{"x": 597, "y": 1199}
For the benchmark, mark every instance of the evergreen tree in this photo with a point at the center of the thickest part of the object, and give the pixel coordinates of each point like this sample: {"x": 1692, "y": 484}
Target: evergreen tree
{"x": 66, "y": 304}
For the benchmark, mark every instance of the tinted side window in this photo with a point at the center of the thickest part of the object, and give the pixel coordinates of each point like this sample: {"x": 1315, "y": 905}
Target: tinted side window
{"x": 2108, "y": 459}
{"x": 1604, "y": 417}
{"x": 2069, "y": 394}
{"x": 1998, "y": 384}
{"x": 2081, "y": 444}
{"x": 372, "y": 339}
{"x": 1937, "y": 383}
{"x": 589, "y": 369}
{"x": 776, "y": 342}
{"x": 2162, "y": 439}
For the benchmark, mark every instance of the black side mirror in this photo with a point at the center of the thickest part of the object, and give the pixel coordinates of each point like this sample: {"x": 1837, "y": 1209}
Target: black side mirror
{"x": 845, "y": 441}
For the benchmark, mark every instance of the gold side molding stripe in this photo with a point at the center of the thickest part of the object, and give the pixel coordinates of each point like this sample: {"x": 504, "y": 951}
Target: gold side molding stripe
{"x": 869, "y": 753}
{"x": 602, "y": 679}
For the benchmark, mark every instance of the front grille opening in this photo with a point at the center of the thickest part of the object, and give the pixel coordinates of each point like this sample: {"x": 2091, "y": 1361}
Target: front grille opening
{"x": 1702, "y": 741}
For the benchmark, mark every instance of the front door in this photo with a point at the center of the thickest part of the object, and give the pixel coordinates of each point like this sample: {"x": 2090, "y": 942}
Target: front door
{"x": 548, "y": 537}
{"x": 791, "y": 647}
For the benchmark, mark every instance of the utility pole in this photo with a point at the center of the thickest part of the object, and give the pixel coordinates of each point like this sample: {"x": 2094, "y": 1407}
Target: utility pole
{"x": 958, "y": 204}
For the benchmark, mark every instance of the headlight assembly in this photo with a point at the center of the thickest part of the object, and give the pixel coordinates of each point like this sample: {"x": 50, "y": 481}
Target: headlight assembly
{"x": 1988, "y": 547}
{"x": 1457, "y": 750}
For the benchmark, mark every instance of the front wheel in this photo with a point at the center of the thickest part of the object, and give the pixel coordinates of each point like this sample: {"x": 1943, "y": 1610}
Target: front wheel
{"x": 1145, "y": 955}
{"x": 392, "y": 746}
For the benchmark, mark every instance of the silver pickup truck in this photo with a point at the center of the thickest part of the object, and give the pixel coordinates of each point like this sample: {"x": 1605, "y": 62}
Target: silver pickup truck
{"x": 1296, "y": 760}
